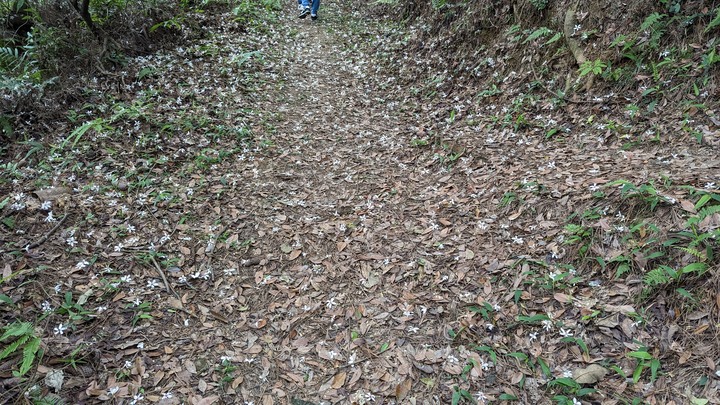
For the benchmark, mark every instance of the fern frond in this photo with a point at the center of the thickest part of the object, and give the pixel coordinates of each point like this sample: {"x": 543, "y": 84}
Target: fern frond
{"x": 17, "y": 329}
{"x": 707, "y": 211}
{"x": 540, "y": 32}
{"x": 651, "y": 20}
{"x": 29, "y": 353}
{"x": 694, "y": 252}
{"x": 14, "y": 346}
{"x": 656, "y": 277}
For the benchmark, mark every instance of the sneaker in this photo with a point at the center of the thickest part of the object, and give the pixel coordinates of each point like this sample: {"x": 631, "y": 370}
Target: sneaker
{"x": 305, "y": 11}
{"x": 300, "y": 7}
{"x": 313, "y": 16}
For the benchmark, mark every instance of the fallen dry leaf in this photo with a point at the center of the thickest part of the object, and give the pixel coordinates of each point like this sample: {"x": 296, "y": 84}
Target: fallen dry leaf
{"x": 591, "y": 374}
{"x": 402, "y": 389}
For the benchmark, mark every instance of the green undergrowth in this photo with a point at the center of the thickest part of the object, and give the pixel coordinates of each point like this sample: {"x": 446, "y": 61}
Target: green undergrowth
{"x": 665, "y": 235}
{"x": 649, "y": 79}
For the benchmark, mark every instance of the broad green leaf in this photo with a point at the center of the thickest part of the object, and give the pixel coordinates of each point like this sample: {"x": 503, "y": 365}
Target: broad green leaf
{"x": 640, "y": 355}
{"x": 4, "y": 298}
{"x": 533, "y": 319}
{"x": 694, "y": 267}
{"x": 636, "y": 374}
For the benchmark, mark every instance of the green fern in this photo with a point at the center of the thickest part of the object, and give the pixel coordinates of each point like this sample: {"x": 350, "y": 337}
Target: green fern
{"x": 658, "y": 276}
{"x": 540, "y": 32}
{"x": 25, "y": 338}
{"x": 694, "y": 252}
{"x": 29, "y": 353}
{"x": 651, "y": 20}
{"x": 12, "y": 348}
{"x": 703, "y": 213}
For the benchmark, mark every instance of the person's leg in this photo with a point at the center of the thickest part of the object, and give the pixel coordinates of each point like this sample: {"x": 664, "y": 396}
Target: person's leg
{"x": 305, "y": 9}
{"x": 300, "y": 6}
{"x": 315, "y": 8}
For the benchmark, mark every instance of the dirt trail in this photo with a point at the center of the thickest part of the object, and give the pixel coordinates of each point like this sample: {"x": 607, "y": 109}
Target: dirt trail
{"x": 343, "y": 252}
{"x": 377, "y": 244}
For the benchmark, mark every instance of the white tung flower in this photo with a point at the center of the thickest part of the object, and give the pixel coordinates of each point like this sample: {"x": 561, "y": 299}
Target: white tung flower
{"x": 60, "y": 329}
{"x": 547, "y": 324}
{"x": 565, "y": 332}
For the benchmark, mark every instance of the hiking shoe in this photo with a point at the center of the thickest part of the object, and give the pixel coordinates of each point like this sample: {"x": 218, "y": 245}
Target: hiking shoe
{"x": 304, "y": 13}
{"x": 313, "y": 16}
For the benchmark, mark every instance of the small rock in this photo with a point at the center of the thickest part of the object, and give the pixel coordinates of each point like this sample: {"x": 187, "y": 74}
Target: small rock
{"x": 54, "y": 379}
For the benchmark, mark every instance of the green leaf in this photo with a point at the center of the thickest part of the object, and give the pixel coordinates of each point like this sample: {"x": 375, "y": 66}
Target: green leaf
{"x": 582, "y": 345}
{"x": 456, "y": 397}
{"x": 618, "y": 370}
{"x": 564, "y": 381}
{"x": 636, "y": 374}
{"x": 702, "y": 201}
{"x": 654, "y": 367}
{"x": 507, "y": 397}
{"x": 555, "y": 38}
{"x": 584, "y": 391}
{"x": 694, "y": 268}
{"x": 683, "y": 292}
{"x": 467, "y": 395}
{"x": 384, "y": 347}
{"x": 489, "y": 351}
{"x": 715, "y": 21}
{"x": 544, "y": 367}
{"x": 533, "y": 319}
{"x": 4, "y": 298}
{"x": 643, "y": 355}
{"x": 519, "y": 356}
{"x": 4, "y": 202}
{"x": 517, "y": 295}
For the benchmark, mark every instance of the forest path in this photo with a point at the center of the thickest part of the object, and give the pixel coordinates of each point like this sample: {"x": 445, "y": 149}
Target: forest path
{"x": 326, "y": 234}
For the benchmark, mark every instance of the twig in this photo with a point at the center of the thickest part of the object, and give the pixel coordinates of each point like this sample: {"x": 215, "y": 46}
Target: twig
{"x": 47, "y": 235}
{"x": 162, "y": 274}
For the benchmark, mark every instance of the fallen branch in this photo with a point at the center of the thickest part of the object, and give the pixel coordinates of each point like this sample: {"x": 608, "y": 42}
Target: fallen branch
{"x": 47, "y": 235}
{"x": 162, "y": 274}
